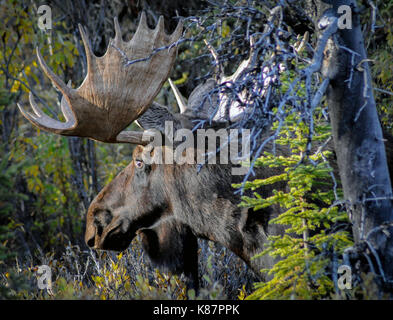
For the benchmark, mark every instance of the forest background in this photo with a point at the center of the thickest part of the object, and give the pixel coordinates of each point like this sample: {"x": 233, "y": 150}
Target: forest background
{"x": 47, "y": 181}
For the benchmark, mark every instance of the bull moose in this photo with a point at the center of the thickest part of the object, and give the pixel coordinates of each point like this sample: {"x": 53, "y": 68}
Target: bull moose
{"x": 168, "y": 205}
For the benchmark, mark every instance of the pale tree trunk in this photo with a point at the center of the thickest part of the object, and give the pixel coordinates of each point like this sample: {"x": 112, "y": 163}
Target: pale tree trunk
{"x": 359, "y": 145}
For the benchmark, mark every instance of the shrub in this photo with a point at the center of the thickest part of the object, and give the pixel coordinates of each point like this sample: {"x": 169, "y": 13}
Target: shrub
{"x": 316, "y": 229}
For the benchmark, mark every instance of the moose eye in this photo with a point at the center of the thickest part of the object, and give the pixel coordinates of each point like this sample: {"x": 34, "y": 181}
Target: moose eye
{"x": 139, "y": 164}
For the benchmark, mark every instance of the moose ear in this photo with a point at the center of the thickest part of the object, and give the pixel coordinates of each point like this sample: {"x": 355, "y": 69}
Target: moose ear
{"x": 201, "y": 101}
{"x": 155, "y": 117}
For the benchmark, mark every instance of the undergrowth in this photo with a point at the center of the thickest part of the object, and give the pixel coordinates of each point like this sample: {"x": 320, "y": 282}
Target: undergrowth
{"x": 88, "y": 274}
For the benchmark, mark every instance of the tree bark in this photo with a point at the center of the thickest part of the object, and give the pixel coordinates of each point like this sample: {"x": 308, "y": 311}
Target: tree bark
{"x": 359, "y": 143}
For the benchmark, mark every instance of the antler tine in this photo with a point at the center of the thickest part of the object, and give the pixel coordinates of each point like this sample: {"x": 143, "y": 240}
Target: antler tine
{"x": 41, "y": 120}
{"x": 234, "y": 111}
{"x": 142, "y": 28}
{"x": 178, "y": 32}
{"x": 118, "y": 35}
{"x": 86, "y": 43}
{"x": 65, "y": 107}
{"x": 53, "y": 77}
{"x": 179, "y": 98}
{"x": 160, "y": 25}
{"x": 244, "y": 65}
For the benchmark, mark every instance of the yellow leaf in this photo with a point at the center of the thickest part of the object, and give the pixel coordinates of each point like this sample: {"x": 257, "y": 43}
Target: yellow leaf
{"x": 28, "y": 70}
{"x": 225, "y": 30}
{"x": 15, "y": 87}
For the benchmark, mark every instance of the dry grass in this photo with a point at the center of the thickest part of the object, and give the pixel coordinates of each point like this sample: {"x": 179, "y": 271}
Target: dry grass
{"x": 88, "y": 274}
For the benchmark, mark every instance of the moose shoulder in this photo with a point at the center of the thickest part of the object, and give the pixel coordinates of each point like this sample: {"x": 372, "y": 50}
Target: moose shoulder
{"x": 169, "y": 205}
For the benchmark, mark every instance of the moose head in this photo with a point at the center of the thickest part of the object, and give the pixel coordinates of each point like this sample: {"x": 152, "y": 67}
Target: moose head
{"x": 169, "y": 205}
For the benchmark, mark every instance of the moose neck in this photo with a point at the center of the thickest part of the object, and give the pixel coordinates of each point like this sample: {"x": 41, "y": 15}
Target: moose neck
{"x": 206, "y": 202}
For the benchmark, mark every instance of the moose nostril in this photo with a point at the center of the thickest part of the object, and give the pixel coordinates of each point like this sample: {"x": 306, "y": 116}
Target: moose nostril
{"x": 101, "y": 219}
{"x": 100, "y": 229}
{"x": 91, "y": 242}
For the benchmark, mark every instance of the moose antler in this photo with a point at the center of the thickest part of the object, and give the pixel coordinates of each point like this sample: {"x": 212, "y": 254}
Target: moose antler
{"x": 204, "y": 101}
{"x": 112, "y": 95}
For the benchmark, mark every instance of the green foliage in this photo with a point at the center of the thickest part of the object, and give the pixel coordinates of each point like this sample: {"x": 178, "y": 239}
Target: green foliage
{"x": 48, "y": 175}
{"x": 313, "y": 237}
{"x": 50, "y": 212}
{"x": 19, "y": 39}
{"x": 8, "y": 196}
{"x": 379, "y": 47}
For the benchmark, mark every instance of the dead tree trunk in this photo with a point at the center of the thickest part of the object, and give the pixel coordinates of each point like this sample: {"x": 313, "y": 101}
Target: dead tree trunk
{"x": 358, "y": 141}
